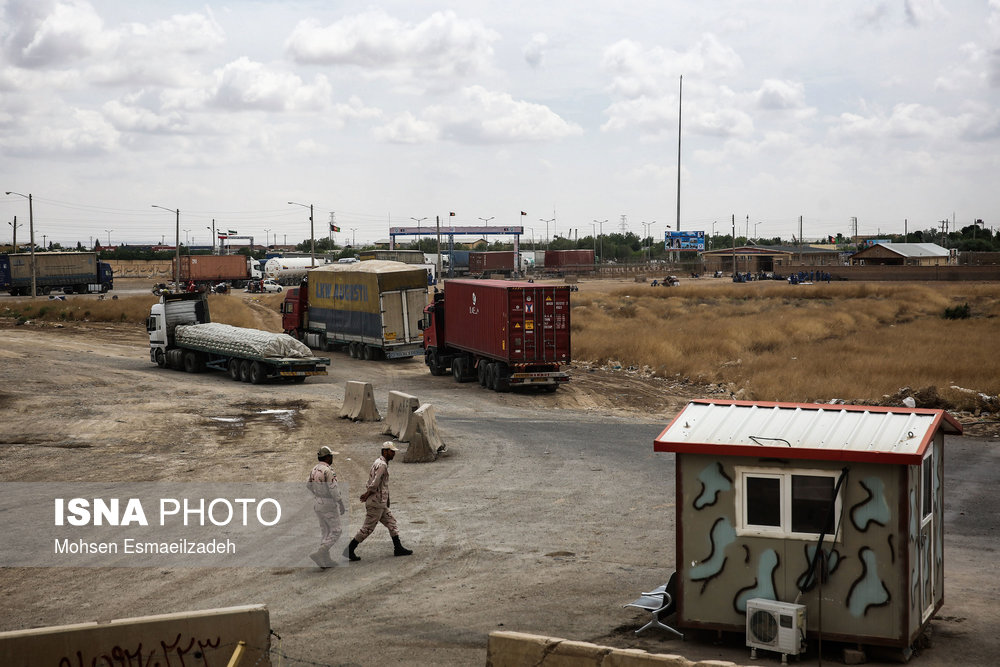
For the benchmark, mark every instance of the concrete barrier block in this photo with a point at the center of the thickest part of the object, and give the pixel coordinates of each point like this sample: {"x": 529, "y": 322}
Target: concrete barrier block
{"x": 569, "y": 653}
{"x": 426, "y": 443}
{"x": 514, "y": 649}
{"x": 165, "y": 640}
{"x": 633, "y": 657}
{"x": 715, "y": 663}
{"x": 399, "y": 420}
{"x": 359, "y": 403}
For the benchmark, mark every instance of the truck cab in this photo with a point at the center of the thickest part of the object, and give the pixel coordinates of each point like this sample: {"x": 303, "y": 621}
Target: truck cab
{"x": 173, "y": 309}
{"x": 293, "y": 311}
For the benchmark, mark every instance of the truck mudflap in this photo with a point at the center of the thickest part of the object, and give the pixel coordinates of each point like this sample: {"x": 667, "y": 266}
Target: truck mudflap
{"x": 538, "y": 378}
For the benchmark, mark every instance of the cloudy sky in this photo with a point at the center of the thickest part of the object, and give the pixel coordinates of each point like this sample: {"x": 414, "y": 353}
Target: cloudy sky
{"x": 379, "y": 112}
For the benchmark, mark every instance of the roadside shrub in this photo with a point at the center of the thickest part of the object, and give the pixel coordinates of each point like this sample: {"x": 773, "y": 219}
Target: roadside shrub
{"x": 957, "y": 312}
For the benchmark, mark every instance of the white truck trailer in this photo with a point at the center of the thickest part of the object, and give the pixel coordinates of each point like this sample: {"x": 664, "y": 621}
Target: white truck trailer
{"x": 182, "y": 336}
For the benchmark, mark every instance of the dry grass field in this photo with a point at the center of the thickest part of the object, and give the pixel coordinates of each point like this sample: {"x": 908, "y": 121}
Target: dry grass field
{"x": 774, "y": 341}
{"x": 762, "y": 341}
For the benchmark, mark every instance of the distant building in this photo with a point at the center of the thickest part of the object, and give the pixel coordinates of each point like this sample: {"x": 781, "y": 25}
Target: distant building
{"x": 769, "y": 258}
{"x": 902, "y": 254}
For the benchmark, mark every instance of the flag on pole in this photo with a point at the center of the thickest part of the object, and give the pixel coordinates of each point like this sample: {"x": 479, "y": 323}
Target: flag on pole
{"x": 523, "y": 213}
{"x": 233, "y": 231}
{"x": 452, "y": 213}
{"x": 334, "y": 228}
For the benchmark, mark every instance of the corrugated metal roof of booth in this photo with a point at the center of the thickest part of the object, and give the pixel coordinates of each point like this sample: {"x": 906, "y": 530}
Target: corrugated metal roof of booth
{"x": 815, "y": 431}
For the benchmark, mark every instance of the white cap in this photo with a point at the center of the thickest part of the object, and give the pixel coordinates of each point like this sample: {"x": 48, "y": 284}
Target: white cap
{"x": 388, "y": 444}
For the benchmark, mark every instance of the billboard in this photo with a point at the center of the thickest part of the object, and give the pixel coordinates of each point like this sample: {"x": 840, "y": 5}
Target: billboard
{"x": 694, "y": 241}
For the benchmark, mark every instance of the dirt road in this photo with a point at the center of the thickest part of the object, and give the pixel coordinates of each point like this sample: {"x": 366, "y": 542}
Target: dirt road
{"x": 540, "y": 521}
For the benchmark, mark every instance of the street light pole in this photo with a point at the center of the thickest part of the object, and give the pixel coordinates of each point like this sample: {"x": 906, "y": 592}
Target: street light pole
{"x": 312, "y": 237}
{"x": 15, "y": 226}
{"x": 601, "y": 256}
{"x": 354, "y": 237}
{"x": 486, "y": 235}
{"x": 212, "y": 228}
{"x": 109, "y": 236}
{"x": 418, "y": 221}
{"x": 31, "y": 239}
{"x": 546, "y": 230}
{"x": 177, "y": 245}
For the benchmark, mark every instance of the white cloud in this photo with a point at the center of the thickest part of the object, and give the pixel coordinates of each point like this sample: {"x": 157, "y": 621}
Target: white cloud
{"x": 780, "y": 95}
{"x": 484, "y": 116}
{"x": 407, "y": 129}
{"x": 534, "y": 50}
{"x": 81, "y": 132}
{"x": 247, "y": 85}
{"x": 442, "y": 47}
{"x": 48, "y": 34}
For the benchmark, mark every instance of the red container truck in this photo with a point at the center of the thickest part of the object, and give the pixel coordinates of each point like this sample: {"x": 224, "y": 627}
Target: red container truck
{"x": 505, "y": 334}
{"x": 569, "y": 260}
{"x": 501, "y": 261}
{"x": 205, "y": 270}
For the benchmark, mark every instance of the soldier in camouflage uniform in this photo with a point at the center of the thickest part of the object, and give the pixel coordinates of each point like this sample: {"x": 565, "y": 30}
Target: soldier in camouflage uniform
{"x": 327, "y": 504}
{"x": 376, "y": 500}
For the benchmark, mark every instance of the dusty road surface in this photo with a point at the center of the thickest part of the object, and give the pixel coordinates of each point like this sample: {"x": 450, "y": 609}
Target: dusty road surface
{"x": 550, "y": 513}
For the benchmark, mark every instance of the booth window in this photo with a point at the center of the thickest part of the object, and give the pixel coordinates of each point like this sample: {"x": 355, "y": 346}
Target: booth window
{"x": 786, "y": 503}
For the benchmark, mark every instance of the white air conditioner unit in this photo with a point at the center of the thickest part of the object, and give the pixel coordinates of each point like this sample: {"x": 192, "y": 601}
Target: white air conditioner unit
{"x": 776, "y": 626}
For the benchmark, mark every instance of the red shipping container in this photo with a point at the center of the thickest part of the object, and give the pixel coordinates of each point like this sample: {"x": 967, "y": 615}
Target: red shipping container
{"x": 515, "y": 322}
{"x": 574, "y": 258}
{"x": 482, "y": 262}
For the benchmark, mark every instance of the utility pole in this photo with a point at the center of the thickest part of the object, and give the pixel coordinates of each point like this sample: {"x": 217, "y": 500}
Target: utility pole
{"x": 31, "y": 239}
{"x": 600, "y": 259}
{"x": 734, "y": 245}
{"x": 15, "y": 226}
{"x": 680, "y": 99}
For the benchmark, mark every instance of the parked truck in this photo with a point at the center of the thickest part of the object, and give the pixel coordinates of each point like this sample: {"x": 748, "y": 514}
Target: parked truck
{"x": 496, "y": 261}
{"x": 289, "y": 271}
{"x": 404, "y": 256}
{"x": 569, "y": 261}
{"x": 371, "y": 308}
{"x": 207, "y": 270}
{"x": 503, "y": 334}
{"x": 79, "y": 272}
{"x": 182, "y": 336}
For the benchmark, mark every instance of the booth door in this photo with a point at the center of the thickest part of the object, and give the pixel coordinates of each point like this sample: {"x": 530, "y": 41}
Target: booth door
{"x": 926, "y": 546}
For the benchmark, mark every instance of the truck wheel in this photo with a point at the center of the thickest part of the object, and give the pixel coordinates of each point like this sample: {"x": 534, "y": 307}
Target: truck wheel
{"x": 257, "y": 373}
{"x": 191, "y": 362}
{"x": 234, "y": 369}
{"x": 352, "y": 349}
{"x": 244, "y": 370}
{"x": 369, "y": 353}
{"x": 501, "y": 382}
{"x": 491, "y": 376}
{"x": 551, "y": 388}
{"x": 161, "y": 359}
{"x": 458, "y": 368}
{"x": 482, "y": 373}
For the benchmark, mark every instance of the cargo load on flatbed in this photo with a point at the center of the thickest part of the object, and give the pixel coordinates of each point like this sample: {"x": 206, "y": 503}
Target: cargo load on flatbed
{"x": 239, "y": 341}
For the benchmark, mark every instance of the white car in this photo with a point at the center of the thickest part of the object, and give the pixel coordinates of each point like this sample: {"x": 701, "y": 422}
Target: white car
{"x": 263, "y": 286}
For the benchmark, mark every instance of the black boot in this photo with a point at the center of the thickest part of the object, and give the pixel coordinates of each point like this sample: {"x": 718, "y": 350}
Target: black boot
{"x": 349, "y": 552}
{"x": 399, "y": 549}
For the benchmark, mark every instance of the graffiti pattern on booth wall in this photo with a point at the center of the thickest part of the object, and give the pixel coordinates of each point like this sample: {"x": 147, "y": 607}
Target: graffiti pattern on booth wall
{"x": 763, "y": 585}
{"x": 721, "y": 536}
{"x": 713, "y": 481}
{"x": 874, "y": 508}
{"x": 866, "y": 591}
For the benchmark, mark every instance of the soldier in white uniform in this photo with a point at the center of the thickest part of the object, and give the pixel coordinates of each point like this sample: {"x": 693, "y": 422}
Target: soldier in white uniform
{"x": 376, "y": 500}
{"x": 327, "y": 504}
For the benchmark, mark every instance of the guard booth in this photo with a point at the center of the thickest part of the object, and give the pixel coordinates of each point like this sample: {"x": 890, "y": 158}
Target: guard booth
{"x": 770, "y": 496}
